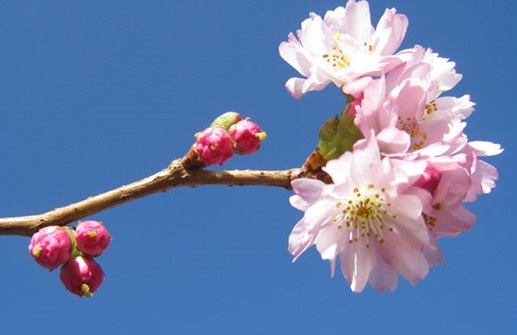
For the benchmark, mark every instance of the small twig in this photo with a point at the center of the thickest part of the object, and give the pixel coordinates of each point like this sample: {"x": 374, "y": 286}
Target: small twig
{"x": 181, "y": 172}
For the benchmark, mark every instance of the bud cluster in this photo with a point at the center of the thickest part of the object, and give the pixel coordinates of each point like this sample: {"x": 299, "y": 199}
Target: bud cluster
{"x": 228, "y": 134}
{"x": 73, "y": 250}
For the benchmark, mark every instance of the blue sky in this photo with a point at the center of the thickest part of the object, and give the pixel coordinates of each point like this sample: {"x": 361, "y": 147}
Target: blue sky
{"x": 97, "y": 94}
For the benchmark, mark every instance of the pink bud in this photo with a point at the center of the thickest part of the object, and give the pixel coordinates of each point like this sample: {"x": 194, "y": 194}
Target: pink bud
{"x": 50, "y": 246}
{"x": 82, "y": 276}
{"x": 429, "y": 179}
{"x": 247, "y": 137}
{"x": 214, "y": 146}
{"x": 353, "y": 105}
{"x": 92, "y": 238}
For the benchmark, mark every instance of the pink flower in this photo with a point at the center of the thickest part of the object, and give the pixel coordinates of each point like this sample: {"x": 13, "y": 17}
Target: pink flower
{"x": 408, "y": 114}
{"x": 344, "y": 49}
{"x": 246, "y": 136}
{"x": 429, "y": 179}
{"x": 448, "y": 183}
{"x": 92, "y": 238}
{"x": 82, "y": 276}
{"x": 214, "y": 146}
{"x": 442, "y": 71}
{"x": 370, "y": 218}
{"x": 412, "y": 121}
{"x": 51, "y": 246}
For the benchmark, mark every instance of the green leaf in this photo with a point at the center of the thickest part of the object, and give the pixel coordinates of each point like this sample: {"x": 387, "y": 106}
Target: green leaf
{"x": 338, "y": 135}
{"x": 226, "y": 120}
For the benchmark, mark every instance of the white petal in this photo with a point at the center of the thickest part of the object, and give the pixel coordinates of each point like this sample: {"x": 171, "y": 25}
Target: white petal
{"x": 390, "y": 32}
{"x": 357, "y": 21}
{"x": 356, "y": 87}
{"x": 315, "y": 36}
{"x": 483, "y": 148}
{"x": 295, "y": 87}
{"x": 294, "y": 54}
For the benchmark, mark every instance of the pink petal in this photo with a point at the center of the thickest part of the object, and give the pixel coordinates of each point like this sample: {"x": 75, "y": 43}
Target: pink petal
{"x": 336, "y": 167}
{"x": 330, "y": 241}
{"x": 405, "y": 258}
{"x": 451, "y": 221}
{"x": 393, "y": 141}
{"x": 433, "y": 254}
{"x": 366, "y": 152}
{"x": 383, "y": 276}
{"x": 408, "y": 223}
{"x": 307, "y": 192}
{"x": 357, "y": 263}
{"x": 299, "y": 240}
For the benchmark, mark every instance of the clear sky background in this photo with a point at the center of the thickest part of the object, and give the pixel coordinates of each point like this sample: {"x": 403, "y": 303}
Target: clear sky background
{"x": 97, "y": 94}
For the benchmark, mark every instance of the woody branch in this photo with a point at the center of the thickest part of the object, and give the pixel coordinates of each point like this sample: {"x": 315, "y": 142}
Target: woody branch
{"x": 184, "y": 171}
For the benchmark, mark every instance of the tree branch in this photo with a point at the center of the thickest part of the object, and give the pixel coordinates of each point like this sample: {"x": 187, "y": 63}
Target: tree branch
{"x": 181, "y": 172}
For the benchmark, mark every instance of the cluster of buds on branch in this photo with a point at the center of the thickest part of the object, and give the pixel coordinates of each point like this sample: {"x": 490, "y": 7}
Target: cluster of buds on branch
{"x": 227, "y": 135}
{"x": 73, "y": 250}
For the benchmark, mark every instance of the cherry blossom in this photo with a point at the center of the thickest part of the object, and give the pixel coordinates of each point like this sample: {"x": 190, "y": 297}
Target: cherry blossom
{"x": 408, "y": 114}
{"x": 344, "y": 49}
{"x": 370, "y": 218}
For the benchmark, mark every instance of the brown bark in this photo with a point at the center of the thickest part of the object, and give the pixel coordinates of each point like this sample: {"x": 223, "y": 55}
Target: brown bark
{"x": 181, "y": 172}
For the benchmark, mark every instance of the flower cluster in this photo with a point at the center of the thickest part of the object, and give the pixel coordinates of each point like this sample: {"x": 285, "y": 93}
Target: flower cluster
{"x": 73, "y": 250}
{"x": 402, "y": 182}
{"x": 227, "y": 135}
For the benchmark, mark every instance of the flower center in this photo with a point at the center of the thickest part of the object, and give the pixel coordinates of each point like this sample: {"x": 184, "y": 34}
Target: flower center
{"x": 365, "y": 215}
{"x": 337, "y": 59}
{"x": 430, "y": 108}
{"x": 410, "y": 126}
{"x": 430, "y": 220}
{"x": 368, "y": 46}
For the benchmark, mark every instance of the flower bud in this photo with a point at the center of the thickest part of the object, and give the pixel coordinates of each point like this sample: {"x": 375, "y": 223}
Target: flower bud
{"x": 82, "y": 276}
{"x": 246, "y": 136}
{"x": 429, "y": 179}
{"x": 92, "y": 238}
{"x": 214, "y": 146}
{"x": 353, "y": 105}
{"x": 51, "y": 246}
